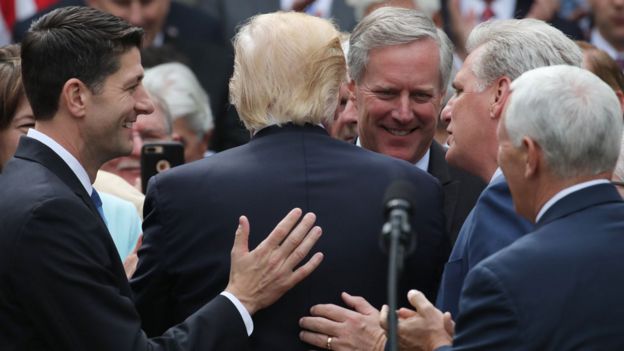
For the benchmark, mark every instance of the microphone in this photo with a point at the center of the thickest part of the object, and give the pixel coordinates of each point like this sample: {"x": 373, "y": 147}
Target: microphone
{"x": 397, "y": 239}
{"x": 398, "y": 200}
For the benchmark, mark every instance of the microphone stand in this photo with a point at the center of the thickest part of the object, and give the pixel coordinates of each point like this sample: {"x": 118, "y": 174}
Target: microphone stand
{"x": 396, "y": 231}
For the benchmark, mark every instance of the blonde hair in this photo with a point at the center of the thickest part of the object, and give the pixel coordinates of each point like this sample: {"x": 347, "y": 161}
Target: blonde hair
{"x": 288, "y": 68}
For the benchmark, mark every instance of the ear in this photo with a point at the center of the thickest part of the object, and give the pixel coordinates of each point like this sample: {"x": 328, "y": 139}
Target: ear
{"x": 351, "y": 87}
{"x": 502, "y": 86}
{"x": 534, "y": 157}
{"x": 75, "y": 96}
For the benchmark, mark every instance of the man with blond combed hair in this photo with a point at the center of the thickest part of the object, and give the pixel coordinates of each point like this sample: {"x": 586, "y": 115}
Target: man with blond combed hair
{"x": 288, "y": 69}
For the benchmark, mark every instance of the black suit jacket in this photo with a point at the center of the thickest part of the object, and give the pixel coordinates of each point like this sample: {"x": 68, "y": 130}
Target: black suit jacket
{"x": 63, "y": 286}
{"x": 192, "y": 211}
{"x": 461, "y": 189}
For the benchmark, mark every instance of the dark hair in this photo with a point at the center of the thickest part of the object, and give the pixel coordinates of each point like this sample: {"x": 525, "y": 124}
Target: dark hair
{"x": 11, "y": 88}
{"x": 72, "y": 42}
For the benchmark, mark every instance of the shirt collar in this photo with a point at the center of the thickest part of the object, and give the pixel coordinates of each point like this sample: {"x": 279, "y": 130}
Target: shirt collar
{"x": 67, "y": 157}
{"x": 565, "y": 192}
{"x": 497, "y": 173}
{"x": 423, "y": 163}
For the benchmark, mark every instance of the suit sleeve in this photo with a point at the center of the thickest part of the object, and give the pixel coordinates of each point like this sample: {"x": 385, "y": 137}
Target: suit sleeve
{"x": 489, "y": 318}
{"x": 64, "y": 271}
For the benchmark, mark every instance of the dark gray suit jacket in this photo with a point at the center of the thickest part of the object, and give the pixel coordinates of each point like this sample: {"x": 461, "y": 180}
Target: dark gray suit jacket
{"x": 63, "y": 286}
{"x": 461, "y": 189}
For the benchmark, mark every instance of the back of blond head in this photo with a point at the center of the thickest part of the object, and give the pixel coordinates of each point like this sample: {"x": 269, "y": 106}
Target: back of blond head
{"x": 287, "y": 68}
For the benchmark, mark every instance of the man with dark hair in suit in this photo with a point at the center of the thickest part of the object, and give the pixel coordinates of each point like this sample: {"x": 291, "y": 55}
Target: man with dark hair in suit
{"x": 558, "y": 287}
{"x": 63, "y": 285}
{"x": 288, "y": 69}
{"x": 185, "y": 33}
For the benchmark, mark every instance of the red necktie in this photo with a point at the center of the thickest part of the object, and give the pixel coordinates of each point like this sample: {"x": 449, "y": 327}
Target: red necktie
{"x": 488, "y": 12}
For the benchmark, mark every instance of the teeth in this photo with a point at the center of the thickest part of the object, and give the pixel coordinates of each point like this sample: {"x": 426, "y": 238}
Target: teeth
{"x": 398, "y": 132}
{"x": 128, "y": 125}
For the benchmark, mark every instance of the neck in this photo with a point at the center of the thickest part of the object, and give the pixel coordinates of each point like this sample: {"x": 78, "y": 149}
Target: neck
{"x": 69, "y": 137}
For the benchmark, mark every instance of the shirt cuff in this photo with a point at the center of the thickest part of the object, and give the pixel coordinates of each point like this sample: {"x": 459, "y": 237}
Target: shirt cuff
{"x": 242, "y": 310}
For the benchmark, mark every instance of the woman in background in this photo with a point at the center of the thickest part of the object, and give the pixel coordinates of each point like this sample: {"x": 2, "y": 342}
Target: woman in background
{"x": 16, "y": 116}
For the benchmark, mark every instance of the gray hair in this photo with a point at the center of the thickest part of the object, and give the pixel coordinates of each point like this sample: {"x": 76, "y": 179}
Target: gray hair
{"x": 160, "y": 104}
{"x": 183, "y": 94}
{"x": 389, "y": 26}
{"x": 512, "y": 47}
{"x": 573, "y": 115}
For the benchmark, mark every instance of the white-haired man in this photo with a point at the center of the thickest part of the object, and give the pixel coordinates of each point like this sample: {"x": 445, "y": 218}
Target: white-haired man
{"x": 557, "y": 288}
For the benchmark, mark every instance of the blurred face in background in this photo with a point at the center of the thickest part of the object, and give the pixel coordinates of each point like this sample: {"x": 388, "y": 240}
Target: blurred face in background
{"x": 9, "y": 138}
{"x": 147, "y": 14}
{"x": 344, "y": 126}
{"x": 609, "y": 19}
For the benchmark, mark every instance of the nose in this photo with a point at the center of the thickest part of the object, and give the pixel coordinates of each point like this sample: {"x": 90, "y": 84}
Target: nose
{"x": 403, "y": 112}
{"x": 349, "y": 115}
{"x": 447, "y": 111}
{"x": 144, "y": 104}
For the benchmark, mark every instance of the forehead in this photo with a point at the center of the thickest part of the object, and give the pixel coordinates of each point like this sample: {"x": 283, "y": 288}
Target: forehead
{"x": 130, "y": 68}
{"x": 466, "y": 74}
{"x": 417, "y": 62}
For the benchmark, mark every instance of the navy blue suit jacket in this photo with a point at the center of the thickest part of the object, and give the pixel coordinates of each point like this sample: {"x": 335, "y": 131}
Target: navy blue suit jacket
{"x": 491, "y": 225}
{"x": 63, "y": 286}
{"x": 192, "y": 212}
{"x": 558, "y": 288}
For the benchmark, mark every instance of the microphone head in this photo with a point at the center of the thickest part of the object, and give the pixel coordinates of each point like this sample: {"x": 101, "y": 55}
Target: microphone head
{"x": 400, "y": 194}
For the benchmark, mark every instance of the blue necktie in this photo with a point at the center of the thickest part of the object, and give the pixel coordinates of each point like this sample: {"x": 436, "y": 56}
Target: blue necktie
{"x": 97, "y": 201}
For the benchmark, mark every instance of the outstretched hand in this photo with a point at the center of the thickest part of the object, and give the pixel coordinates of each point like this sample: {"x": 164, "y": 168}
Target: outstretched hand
{"x": 356, "y": 329}
{"x": 425, "y": 328}
{"x": 260, "y": 277}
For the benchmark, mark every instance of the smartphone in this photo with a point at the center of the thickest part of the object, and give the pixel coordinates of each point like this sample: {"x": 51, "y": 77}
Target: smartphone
{"x": 159, "y": 157}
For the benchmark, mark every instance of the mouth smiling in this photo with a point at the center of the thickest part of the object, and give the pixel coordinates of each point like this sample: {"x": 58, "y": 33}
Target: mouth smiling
{"x": 399, "y": 132}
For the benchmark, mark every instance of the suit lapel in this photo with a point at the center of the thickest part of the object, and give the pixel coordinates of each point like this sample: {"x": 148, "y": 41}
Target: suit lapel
{"x": 34, "y": 150}
{"x": 440, "y": 169}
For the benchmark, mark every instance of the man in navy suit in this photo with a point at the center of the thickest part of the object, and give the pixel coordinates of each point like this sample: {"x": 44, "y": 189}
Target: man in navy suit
{"x": 558, "y": 287}
{"x": 481, "y": 87}
{"x": 288, "y": 70}
{"x": 63, "y": 285}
